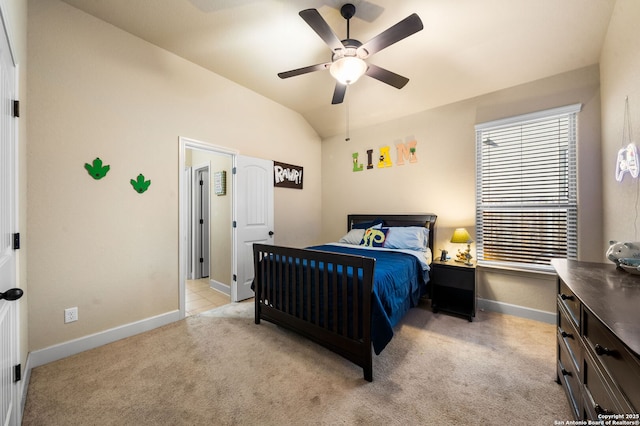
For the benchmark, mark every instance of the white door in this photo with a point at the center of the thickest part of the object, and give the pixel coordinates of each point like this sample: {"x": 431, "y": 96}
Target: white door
{"x": 253, "y": 218}
{"x": 201, "y": 222}
{"x": 10, "y": 412}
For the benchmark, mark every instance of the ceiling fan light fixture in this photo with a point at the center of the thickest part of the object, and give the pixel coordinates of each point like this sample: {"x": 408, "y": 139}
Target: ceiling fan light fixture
{"x": 348, "y": 69}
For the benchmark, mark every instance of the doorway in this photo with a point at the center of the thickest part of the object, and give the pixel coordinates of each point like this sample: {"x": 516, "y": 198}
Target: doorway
{"x": 241, "y": 214}
{"x": 206, "y": 237}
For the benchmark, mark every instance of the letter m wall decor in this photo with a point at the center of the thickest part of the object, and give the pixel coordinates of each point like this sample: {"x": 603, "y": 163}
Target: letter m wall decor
{"x": 287, "y": 175}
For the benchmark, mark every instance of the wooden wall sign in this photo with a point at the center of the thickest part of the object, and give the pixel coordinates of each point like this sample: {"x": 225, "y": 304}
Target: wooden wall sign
{"x": 287, "y": 175}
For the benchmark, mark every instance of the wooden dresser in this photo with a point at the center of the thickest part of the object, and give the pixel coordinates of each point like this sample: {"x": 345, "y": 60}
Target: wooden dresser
{"x": 599, "y": 340}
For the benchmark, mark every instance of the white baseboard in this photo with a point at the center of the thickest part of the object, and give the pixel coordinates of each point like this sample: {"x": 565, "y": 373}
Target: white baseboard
{"x": 25, "y": 385}
{"x": 518, "y": 311}
{"x": 221, "y": 287}
{"x": 72, "y": 347}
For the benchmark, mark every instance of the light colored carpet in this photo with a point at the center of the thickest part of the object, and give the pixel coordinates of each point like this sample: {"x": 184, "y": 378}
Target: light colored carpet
{"x": 219, "y": 368}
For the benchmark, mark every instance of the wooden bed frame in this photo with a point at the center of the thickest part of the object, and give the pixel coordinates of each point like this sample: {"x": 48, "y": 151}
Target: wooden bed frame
{"x": 285, "y": 287}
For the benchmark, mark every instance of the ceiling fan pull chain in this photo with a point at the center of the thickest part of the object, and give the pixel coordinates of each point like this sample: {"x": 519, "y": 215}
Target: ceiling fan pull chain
{"x": 346, "y": 106}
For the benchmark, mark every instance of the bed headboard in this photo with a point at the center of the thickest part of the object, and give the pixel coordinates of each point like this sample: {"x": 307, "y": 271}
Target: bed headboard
{"x": 428, "y": 220}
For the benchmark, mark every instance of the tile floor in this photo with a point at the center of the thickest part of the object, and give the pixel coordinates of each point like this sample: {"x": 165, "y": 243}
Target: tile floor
{"x": 200, "y": 297}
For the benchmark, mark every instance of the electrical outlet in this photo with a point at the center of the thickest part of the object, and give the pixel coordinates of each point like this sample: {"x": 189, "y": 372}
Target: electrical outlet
{"x": 71, "y": 314}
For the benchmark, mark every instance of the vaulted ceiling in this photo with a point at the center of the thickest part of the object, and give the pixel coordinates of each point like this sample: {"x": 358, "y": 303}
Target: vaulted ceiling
{"x": 467, "y": 47}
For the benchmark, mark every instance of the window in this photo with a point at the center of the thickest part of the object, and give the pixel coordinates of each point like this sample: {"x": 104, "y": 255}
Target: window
{"x": 526, "y": 191}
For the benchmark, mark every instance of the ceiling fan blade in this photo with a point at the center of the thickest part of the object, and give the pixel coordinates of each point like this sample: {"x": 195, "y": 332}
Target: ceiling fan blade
{"x": 305, "y": 70}
{"x": 408, "y": 26}
{"x": 387, "y": 76}
{"x": 338, "y": 93}
{"x": 320, "y": 26}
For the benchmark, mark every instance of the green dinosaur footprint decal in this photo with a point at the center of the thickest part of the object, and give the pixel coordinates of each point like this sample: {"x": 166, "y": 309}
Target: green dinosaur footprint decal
{"x": 140, "y": 185}
{"x": 97, "y": 170}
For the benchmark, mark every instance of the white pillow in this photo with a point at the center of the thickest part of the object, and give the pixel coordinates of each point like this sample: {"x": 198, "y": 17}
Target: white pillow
{"x": 407, "y": 237}
{"x": 353, "y": 237}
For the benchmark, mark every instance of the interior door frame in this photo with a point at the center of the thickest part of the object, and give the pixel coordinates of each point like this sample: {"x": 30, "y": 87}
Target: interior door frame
{"x": 183, "y": 211}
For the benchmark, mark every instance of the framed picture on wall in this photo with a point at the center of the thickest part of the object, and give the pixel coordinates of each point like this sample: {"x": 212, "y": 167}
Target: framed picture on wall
{"x": 287, "y": 175}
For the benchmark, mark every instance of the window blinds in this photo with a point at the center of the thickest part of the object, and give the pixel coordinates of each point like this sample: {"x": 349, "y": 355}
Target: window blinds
{"x": 526, "y": 190}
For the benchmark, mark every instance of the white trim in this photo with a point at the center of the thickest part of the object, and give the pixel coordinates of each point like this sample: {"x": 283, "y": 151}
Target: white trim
{"x": 517, "y": 311}
{"x": 220, "y": 287}
{"x": 518, "y": 267}
{"x": 26, "y": 378}
{"x": 196, "y": 144}
{"x": 72, "y": 347}
{"x": 538, "y": 115}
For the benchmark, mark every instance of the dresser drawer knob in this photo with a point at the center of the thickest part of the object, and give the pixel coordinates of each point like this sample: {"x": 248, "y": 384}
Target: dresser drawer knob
{"x": 566, "y": 297}
{"x": 601, "y": 350}
{"x": 565, "y": 334}
{"x": 599, "y": 410}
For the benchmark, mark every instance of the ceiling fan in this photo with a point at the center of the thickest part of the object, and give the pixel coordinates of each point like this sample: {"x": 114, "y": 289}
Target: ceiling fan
{"x": 348, "y": 55}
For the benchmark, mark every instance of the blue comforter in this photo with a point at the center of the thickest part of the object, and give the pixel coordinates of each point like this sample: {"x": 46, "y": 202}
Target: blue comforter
{"x": 398, "y": 282}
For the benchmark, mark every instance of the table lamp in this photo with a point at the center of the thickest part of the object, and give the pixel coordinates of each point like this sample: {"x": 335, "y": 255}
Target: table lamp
{"x": 461, "y": 236}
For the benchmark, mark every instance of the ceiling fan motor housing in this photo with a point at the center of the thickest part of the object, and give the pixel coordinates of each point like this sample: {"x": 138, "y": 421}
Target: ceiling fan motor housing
{"x": 350, "y": 49}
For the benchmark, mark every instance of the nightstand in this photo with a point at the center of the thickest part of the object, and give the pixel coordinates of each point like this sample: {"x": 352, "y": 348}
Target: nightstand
{"x": 453, "y": 288}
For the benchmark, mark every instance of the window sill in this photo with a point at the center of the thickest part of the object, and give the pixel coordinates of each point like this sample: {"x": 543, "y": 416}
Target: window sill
{"x": 532, "y": 269}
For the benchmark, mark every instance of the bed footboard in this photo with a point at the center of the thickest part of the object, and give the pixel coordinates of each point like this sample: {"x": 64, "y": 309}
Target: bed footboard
{"x": 323, "y": 296}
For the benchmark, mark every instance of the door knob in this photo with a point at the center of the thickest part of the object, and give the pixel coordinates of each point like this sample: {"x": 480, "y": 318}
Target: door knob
{"x": 270, "y": 233}
{"x": 12, "y": 294}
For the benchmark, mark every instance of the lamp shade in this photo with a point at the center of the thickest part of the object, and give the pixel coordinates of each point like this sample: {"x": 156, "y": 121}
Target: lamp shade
{"x": 461, "y": 236}
{"x": 348, "y": 69}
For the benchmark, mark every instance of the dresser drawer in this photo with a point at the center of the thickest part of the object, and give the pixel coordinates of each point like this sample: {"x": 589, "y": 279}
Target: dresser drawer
{"x": 569, "y": 300}
{"x": 598, "y": 396}
{"x": 569, "y": 336}
{"x": 569, "y": 378}
{"x": 618, "y": 362}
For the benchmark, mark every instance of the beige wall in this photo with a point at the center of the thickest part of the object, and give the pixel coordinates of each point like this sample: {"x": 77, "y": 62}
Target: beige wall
{"x": 443, "y": 179}
{"x": 620, "y": 78}
{"x": 96, "y": 244}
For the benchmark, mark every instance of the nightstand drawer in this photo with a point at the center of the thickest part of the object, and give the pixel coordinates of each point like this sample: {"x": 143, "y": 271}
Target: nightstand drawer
{"x": 454, "y": 277}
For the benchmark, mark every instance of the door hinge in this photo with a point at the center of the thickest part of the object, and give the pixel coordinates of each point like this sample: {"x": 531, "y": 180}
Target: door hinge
{"x": 16, "y": 108}
{"x": 201, "y": 182}
{"x": 233, "y": 171}
{"x": 234, "y": 224}
{"x": 235, "y": 277}
{"x": 201, "y": 221}
{"x": 202, "y": 260}
{"x": 16, "y": 241}
{"x": 17, "y": 373}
